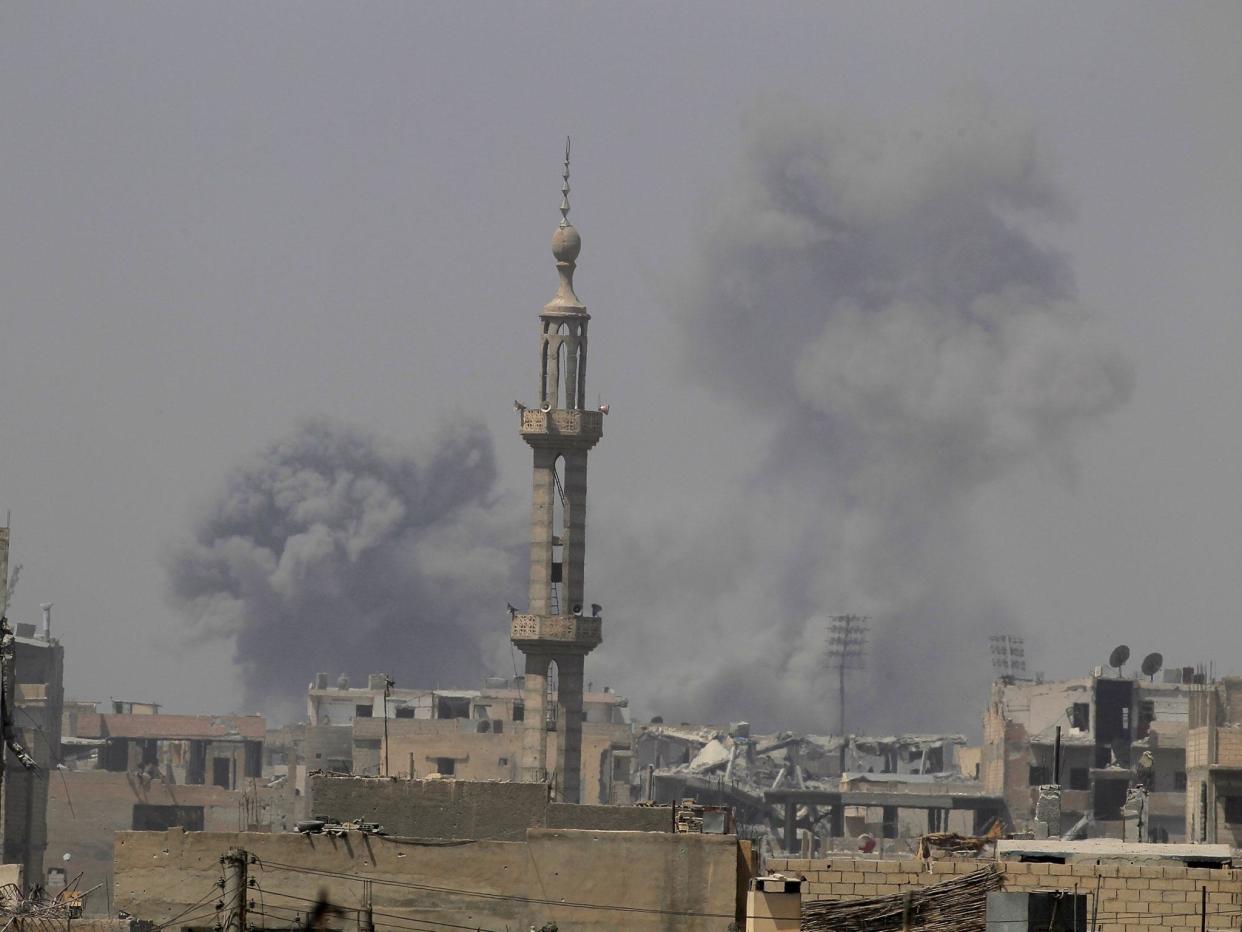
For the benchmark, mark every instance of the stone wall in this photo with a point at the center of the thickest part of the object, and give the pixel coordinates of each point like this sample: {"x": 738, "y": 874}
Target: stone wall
{"x": 587, "y": 881}
{"x": 472, "y": 810}
{"x": 433, "y": 808}
{"x": 611, "y": 818}
{"x": 1133, "y": 897}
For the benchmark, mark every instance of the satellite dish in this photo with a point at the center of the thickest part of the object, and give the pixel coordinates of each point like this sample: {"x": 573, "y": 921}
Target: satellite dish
{"x": 546, "y": 407}
{"x": 1152, "y": 664}
{"x": 1119, "y": 656}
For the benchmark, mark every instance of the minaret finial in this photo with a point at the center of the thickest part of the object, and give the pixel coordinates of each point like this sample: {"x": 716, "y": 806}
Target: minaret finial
{"x": 565, "y": 188}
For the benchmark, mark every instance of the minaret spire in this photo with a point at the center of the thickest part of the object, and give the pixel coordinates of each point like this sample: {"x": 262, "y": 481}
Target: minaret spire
{"x": 565, "y": 188}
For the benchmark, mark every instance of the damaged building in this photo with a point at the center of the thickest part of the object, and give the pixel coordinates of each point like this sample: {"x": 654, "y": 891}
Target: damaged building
{"x": 124, "y": 766}
{"x": 467, "y": 734}
{"x": 825, "y": 792}
{"x": 33, "y": 678}
{"x": 1213, "y": 805}
{"x": 1117, "y": 733}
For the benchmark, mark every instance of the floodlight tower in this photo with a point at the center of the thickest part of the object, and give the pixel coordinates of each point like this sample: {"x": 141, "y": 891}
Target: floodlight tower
{"x": 1008, "y": 656}
{"x": 560, "y": 431}
{"x": 847, "y": 650}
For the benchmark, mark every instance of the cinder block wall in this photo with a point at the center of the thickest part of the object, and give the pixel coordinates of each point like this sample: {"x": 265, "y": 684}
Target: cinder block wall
{"x": 1133, "y": 897}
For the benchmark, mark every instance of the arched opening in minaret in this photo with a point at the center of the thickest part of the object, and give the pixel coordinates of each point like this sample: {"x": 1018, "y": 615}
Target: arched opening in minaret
{"x": 564, "y": 393}
{"x": 543, "y": 368}
{"x": 559, "y": 532}
{"x": 553, "y": 691}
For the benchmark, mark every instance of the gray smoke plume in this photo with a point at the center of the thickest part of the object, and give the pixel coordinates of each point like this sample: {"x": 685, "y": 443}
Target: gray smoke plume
{"x": 336, "y": 551}
{"x": 880, "y": 298}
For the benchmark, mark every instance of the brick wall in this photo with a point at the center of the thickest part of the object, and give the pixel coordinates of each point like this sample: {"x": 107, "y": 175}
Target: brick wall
{"x": 1133, "y": 897}
{"x": 1229, "y": 746}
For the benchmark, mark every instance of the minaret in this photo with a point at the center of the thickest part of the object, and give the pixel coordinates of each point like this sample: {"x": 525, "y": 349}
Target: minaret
{"x": 560, "y": 431}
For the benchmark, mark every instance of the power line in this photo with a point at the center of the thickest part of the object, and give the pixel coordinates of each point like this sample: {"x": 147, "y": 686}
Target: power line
{"x": 565, "y": 904}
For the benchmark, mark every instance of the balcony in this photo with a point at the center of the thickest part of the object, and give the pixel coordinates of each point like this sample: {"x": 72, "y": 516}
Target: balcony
{"x": 581, "y": 428}
{"x": 569, "y": 631}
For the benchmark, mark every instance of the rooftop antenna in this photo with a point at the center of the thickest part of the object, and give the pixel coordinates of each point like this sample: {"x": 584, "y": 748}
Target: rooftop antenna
{"x": 1151, "y": 665}
{"x": 1117, "y": 659}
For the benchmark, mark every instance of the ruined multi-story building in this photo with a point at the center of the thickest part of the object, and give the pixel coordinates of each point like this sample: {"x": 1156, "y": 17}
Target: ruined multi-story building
{"x": 1116, "y": 732}
{"x": 1214, "y": 763}
{"x": 553, "y": 633}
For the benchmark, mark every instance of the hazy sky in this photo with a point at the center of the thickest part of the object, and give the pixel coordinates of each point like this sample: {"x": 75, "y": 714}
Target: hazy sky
{"x": 222, "y": 218}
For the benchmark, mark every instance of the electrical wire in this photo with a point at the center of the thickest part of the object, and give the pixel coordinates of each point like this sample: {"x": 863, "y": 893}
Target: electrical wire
{"x": 538, "y": 901}
{"x": 412, "y": 924}
{"x": 392, "y": 916}
{"x": 210, "y": 893}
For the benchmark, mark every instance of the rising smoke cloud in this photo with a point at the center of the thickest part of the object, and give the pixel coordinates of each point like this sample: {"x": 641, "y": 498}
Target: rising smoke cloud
{"x": 878, "y": 299}
{"x": 334, "y": 550}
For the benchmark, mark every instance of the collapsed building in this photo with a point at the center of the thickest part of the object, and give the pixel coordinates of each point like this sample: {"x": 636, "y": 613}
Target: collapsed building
{"x": 820, "y": 792}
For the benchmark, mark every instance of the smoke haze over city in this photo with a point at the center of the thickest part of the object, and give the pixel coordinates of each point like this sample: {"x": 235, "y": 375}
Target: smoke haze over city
{"x": 927, "y": 315}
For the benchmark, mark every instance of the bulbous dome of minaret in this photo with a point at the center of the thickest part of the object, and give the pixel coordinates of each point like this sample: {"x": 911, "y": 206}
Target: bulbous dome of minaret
{"x": 566, "y": 244}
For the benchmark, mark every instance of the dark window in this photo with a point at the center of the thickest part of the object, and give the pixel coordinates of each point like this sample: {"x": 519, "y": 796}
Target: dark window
{"x": 498, "y": 726}
{"x": 367, "y": 744}
{"x": 449, "y": 707}
{"x": 1040, "y": 776}
{"x": 1110, "y": 796}
{"x": 519, "y": 711}
{"x": 1112, "y": 710}
{"x": 445, "y": 766}
{"x": 503, "y": 762}
{"x": 1233, "y": 809}
{"x": 405, "y": 711}
{"x": 254, "y": 758}
{"x": 149, "y": 818}
{"x": 362, "y": 711}
{"x": 484, "y": 727}
{"x": 1179, "y": 781}
{"x": 222, "y": 772}
{"x": 116, "y": 755}
{"x": 1079, "y": 778}
{"x": 1147, "y": 715}
{"x": 1080, "y": 716}
{"x": 339, "y": 765}
{"x": 1103, "y": 757}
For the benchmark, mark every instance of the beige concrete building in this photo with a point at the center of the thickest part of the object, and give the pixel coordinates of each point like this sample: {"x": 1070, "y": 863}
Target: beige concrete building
{"x": 1214, "y": 764}
{"x": 553, "y": 633}
{"x": 1116, "y": 732}
{"x": 86, "y": 808}
{"x": 468, "y": 734}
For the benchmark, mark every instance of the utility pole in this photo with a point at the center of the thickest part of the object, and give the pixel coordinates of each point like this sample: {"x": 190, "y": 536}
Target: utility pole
{"x": 847, "y": 647}
{"x": 234, "y": 900}
{"x": 389, "y": 683}
{"x": 366, "y": 915}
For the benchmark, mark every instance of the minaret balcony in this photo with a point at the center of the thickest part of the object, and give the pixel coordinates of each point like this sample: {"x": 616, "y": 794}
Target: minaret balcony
{"x": 560, "y": 630}
{"x": 559, "y": 425}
